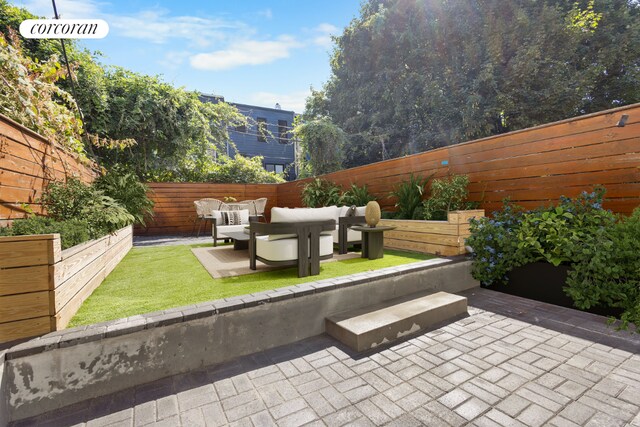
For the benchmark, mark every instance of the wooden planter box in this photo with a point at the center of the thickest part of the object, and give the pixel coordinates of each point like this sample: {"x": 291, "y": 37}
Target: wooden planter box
{"x": 42, "y": 287}
{"x": 444, "y": 238}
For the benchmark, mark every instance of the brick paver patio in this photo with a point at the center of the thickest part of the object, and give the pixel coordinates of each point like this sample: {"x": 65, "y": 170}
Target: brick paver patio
{"x": 512, "y": 362}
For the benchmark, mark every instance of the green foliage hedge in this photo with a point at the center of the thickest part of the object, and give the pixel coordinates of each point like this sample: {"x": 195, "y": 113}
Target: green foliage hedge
{"x": 81, "y": 212}
{"x": 600, "y": 247}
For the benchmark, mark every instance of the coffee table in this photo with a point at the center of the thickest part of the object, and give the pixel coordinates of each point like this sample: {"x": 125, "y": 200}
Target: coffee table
{"x": 240, "y": 239}
{"x": 372, "y": 240}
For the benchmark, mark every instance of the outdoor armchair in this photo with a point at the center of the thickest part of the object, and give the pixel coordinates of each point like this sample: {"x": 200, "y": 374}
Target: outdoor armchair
{"x": 298, "y": 243}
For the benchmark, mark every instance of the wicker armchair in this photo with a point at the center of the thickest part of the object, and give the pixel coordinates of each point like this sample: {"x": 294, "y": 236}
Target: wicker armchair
{"x": 204, "y": 207}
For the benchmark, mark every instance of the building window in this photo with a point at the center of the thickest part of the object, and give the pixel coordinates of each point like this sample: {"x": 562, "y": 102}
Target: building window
{"x": 283, "y": 132}
{"x": 241, "y": 129}
{"x": 271, "y": 167}
{"x": 262, "y": 129}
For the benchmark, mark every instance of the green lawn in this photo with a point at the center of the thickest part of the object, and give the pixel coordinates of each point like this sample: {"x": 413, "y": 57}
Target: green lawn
{"x": 157, "y": 278}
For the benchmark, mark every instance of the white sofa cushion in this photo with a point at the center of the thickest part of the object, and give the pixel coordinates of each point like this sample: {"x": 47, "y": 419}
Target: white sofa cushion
{"x": 352, "y": 236}
{"x": 287, "y": 249}
{"x": 229, "y": 228}
{"x": 304, "y": 214}
{"x": 286, "y": 215}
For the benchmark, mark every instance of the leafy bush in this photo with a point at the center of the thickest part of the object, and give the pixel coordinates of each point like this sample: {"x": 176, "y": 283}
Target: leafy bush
{"x": 126, "y": 189}
{"x": 410, "y": 195}
{"x": 602, "y": 252}
{"x": 321, "y": 192}
{"x": 556, "y": 234}
{"x": 495, "y": 245}
{"x": 74, "y": 199}
{"x": 447, "y": 195}
{"x": 606, "y": 270}
{"x": 72, "y": 232}
{"x": 357, "y": 196}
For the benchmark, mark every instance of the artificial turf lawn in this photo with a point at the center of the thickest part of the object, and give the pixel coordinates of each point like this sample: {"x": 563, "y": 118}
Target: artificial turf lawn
{"x": 157, "y": 278}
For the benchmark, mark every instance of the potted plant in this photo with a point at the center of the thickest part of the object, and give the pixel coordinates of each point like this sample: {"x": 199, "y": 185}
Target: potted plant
{"x": 532, "y": 254}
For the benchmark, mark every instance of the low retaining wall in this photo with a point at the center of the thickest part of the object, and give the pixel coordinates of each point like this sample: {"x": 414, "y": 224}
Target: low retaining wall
{"x": 71, "y": 366}
{"x": 42, "y": 287}
{"x": 444, "y": 238}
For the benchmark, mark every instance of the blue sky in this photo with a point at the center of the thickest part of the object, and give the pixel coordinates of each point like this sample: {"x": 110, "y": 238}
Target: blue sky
{"x": 249, "y": 51}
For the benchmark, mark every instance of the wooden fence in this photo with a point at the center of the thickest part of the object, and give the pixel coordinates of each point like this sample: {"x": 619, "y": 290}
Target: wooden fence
{"x": 28, "y": 162}
{"x": 533, "y": 166}
{"x": 42, "y": 287}
{"x": 174, "y": 210}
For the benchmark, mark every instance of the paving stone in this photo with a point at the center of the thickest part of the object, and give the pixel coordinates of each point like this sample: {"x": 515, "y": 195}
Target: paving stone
{"x": 609, "y": 386}
{"x": 604, "y": 420}
{"x": 343, "y": 416}
{"x": 167, "y": 407}
{"x": 196, "y": 397}
{"x": 334, "y": 397}
{"x": 398, "y": 392}
{"x": 360, "y": 393}
{"x": 144, "y": 413}
{"x": 577, "y": 412}
{"x": 559, "y": 421}
{"x": 480, "y": 393}
{"x": 192, "y": 417}
{"x": 571, "y": 389}
{"x": 373, "y": 412}
{"x": 413, "y": 400}
{"x": 535, "y": 415}
{"x": 513, "y": 405}
{"x": 319, "y": 404}
{"x": 454, "y": 398}
{"x": 262, "y": 419}
{"x": 502, "y": 419}
{"x": 471, "y": 408}
{"x": 214, "y": 414}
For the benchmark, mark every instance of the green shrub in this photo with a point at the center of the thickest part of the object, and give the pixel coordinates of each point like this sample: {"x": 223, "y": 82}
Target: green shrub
{"x": 606, "y": 270}
{"x": 410, "y": 195}
{"x": 74, "y": 200}
{"x": 72, "y": 232}
{"x": 602, "y": 252}
{"x": 357, "y": 196}
{"x": 126, "y": 189}
{"x": 447, "y": 195}
{"x": 320, "y": 192}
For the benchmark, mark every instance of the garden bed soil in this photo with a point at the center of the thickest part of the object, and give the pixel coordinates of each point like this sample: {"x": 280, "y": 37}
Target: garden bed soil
{"x": 541, "y": 281}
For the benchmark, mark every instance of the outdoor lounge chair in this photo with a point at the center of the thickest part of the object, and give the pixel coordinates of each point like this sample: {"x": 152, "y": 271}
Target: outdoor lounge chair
{"x": 204, "y": 207}
{"x": 299, "y": 237}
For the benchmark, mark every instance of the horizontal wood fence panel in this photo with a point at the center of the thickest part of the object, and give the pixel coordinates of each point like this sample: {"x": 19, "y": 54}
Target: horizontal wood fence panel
{"x": 174, "y": 211}
{"x": 533, "y": 167}
{"x": 28, "y": 162}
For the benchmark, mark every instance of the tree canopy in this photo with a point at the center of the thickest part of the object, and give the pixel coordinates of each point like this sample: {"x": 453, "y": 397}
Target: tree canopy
{"x": 411, "y": 75}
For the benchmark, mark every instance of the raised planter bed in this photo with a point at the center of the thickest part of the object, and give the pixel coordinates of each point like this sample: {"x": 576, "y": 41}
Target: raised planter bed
{"x": 542, "y": 281}
{"x": 444, "y": 238}
{"x": 42, "y": 287}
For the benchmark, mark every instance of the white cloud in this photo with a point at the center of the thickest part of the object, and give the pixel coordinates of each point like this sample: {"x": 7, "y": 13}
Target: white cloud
{"x": 293, "y": 101}
{"x": 267, "y": 13}
{"x": 160, "y": 27}
{"x": 174, "y": 59}
{"x": 246, "y": 52}
{"x": 323, "y": 33}
{"x": 155, "y": 25}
